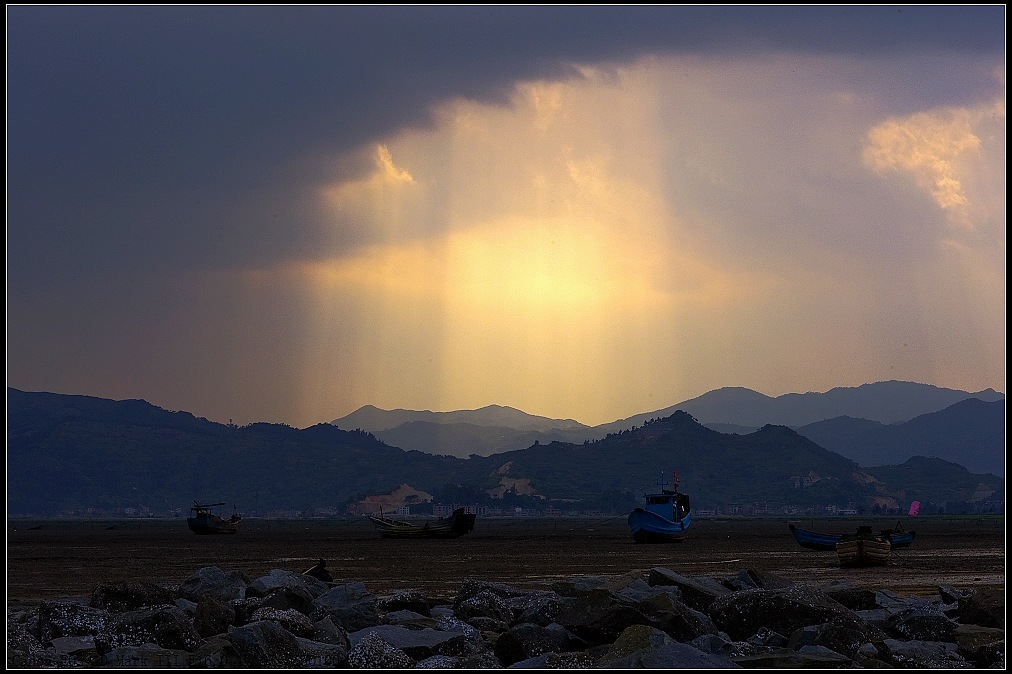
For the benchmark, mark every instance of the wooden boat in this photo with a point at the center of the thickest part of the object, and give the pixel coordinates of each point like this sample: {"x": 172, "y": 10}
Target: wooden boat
{"x": 664, "y": 517}
{"x": 457, "y": 524}
{"x": 864, "y": 548}
{"x": 814, "y": 540}
{"x": 203, "y": 520}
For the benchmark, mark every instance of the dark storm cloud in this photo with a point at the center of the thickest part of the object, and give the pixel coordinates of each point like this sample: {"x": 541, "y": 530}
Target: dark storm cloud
{"x": 140, "y": 137}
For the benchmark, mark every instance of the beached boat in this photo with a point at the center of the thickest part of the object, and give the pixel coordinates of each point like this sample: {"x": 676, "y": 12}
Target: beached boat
{"x": 664, "y": 517}
{"x": 864, "y": 548}
{"x": 203, "y": 520}
{"x": 455, "y": 525}
{"x": 815, "y": 540}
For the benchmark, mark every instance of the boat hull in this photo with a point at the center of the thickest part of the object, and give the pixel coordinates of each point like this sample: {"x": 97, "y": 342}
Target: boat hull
{"x": 814, "y": 540}
{"x": 648, "y": 527}
{"x": 859, "y": 551}
{"x": 206, "y": 527}
{"x": 903, "y": 539}
{"x": 454, "y": 526}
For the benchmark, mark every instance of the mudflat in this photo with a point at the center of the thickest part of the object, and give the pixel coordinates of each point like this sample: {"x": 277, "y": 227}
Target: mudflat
{"x": 49, "y": 559}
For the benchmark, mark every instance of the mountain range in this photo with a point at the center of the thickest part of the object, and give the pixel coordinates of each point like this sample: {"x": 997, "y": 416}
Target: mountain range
{"x": 84, "y": 455}
{"x": 874, "y": 424}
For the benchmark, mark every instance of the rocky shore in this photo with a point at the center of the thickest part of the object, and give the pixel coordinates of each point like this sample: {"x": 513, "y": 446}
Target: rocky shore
{"x": 654, "y": 619}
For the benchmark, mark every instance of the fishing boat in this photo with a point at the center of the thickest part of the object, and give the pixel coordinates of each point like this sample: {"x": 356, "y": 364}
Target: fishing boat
{"x": 815, "y": 540}
{"x": 864, "y": 548}
{"x": 664, "y": 517}
{"x": 455, "y": 525}
{"x": 203, "y": 520}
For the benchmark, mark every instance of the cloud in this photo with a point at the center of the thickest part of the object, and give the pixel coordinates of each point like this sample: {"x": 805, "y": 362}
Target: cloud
{"x": 939, "y": 150}
{"x": 282, "y": 214}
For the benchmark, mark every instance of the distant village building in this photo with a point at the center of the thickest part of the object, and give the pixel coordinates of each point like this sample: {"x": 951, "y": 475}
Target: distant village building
{"x": 802, "y": 481}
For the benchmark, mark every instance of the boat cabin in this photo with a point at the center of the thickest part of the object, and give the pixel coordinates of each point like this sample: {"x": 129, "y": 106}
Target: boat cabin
{"x": 671, "y": 505}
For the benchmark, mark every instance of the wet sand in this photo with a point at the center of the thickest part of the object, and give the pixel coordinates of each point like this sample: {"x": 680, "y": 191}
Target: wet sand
{"x": 59, "y": 559}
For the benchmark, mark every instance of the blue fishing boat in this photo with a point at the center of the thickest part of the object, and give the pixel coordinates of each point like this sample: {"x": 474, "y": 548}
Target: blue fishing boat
{"x": 664, "y": 517}
{"x": 814, "y": 540}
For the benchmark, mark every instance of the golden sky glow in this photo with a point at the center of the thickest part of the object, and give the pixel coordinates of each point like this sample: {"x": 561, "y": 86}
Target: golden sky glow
{"x": 285, "y": 214}
{"x": 530, "y": 255}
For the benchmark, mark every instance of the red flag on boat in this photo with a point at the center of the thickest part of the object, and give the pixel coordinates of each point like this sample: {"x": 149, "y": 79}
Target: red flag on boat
{"x": 915, "y": 508}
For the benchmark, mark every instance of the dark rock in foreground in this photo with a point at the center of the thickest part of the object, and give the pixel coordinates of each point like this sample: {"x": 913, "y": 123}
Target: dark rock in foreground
{"x": 654, "y": 620}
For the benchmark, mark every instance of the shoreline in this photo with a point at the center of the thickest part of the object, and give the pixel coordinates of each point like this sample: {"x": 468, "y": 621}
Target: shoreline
{"x": 68, "y": 558}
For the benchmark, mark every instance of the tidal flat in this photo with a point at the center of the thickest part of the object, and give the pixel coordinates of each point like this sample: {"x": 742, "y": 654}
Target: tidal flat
{"x": 52, "y": 559}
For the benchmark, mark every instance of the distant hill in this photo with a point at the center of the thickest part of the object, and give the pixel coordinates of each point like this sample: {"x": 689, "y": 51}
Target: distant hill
{"x": 489, "y": 430}
{"x": 373, "y": 419}
{"x": 463, "y": 440}
{"x": 77, "y": 454}
{"x": 970, "y": 433}
{"x": 888, "y": 402}
{"x": 495, "y": 429}
{"x": 84, "y": 454}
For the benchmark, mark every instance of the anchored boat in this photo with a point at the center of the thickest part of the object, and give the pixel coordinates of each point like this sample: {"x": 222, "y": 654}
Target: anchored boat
{"x": 203, "y": 520}
{"x": 664, "y": 517}
{"x": 815, "y": 540}
{"x": 455, "y": 525}
{"x": 865, "y": 548}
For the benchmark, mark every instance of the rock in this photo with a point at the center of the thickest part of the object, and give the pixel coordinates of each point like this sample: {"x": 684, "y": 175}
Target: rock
{"x": 984, "y": 607}
{"x": 742, "y": 613}
{"x": 146, "y": 656}
{"x": 289, "y": 580}
{"x": 214, "y": 582}
{"x": 212, "y": 617}
{"x": 318, "y": 655}
{"x": 697, "y": 593}
{"x": 527, "y": 640}
{"x": 643, "y": 647}
{"x": 350, "y": 605}
{"x": 922, "y": 624}
{"x": 923, "y": 655}
{"x": 656, "y": 620}
{"x": 126, "y": 596}
{"x": 67, "y": 619}
{"x": 284, "y": 598}
{"x": 405, "y": 600}
{"x": 326, "y": 632}
{"x": 266, "y": 645}
{"x": 373, "y": 652}
{"x": 167, "y": 626}
{"x": 854, "y": 598}
{"x": 485, "y": 604}
{"x": 293, "y": 621}
{"x": 418, "y": 644}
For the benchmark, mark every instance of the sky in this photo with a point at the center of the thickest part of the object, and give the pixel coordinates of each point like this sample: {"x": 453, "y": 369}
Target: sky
{"x": 281, "y": 214}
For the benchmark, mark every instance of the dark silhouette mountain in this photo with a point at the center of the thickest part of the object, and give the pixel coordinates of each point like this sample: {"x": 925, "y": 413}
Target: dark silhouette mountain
{"x": 80, "y": 454}
{"x": 888, "y": 402}
{"x": 970, "y": 433}
{"x": 374, "y": 419}
{"x": 920, "y": 476}
{"x": 765, "y": 466}
{"x": 463, "y": 439}
{"x": 740, "y": 411}
{"x": 71, "y": 453}
{"x": 489, "y": 430}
